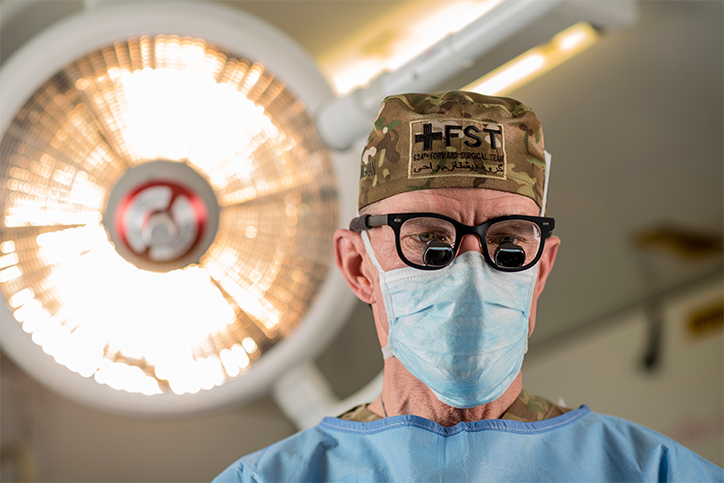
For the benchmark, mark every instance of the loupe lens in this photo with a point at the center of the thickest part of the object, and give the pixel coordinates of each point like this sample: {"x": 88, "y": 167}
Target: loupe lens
{"x": 437, "y": 254}
{"x": 509, "y": 255}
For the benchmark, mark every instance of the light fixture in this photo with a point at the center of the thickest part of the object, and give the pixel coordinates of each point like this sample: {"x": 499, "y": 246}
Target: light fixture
{"x": 401, "y": 34}
{"x": 536, "y": 61}
{"x": 166, "y": 208}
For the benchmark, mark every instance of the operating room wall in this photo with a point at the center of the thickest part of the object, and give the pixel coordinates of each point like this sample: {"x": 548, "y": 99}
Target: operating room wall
{"x": 681, "y": 395}
{"x": 47, "y": 437}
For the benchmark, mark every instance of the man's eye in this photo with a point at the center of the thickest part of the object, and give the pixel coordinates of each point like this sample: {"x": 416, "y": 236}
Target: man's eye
{"x": 424, "y": 237}
{"x": 428, "y": 236}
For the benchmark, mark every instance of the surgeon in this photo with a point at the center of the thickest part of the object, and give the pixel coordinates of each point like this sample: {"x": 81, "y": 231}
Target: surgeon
{"x": 451, "y": 250}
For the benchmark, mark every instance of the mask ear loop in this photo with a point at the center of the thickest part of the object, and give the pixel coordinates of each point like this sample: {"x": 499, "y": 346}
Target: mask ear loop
{"x": 370, "y": 251}
{"x": 387, "y": 350}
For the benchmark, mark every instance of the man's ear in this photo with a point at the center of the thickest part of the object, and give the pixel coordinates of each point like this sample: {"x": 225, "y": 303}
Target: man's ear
{"x": 545, "y": 264}
{"x": 348, "y": 253}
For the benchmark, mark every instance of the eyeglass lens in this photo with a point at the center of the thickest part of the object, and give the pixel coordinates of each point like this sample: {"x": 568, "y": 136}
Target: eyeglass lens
{"x": 429, "y": 242}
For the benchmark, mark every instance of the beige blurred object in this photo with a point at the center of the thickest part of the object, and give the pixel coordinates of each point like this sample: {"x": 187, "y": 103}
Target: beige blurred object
{"x": 679, "y": 240}
{"x": 18, "y": 464}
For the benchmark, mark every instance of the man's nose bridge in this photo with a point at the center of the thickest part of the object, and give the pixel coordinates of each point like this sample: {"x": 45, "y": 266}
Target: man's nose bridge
{"x": 470, "y": 242}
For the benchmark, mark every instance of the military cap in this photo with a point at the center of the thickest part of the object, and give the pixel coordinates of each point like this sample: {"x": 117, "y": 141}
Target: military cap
{"x": 453, "y": 139}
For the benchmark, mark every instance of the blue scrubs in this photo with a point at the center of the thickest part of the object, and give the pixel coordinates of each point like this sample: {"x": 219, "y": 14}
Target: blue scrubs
{"x": 577, "y": 446}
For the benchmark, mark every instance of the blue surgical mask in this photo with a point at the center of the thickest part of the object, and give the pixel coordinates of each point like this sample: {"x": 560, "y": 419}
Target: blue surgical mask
{"x": 461, "y": 330}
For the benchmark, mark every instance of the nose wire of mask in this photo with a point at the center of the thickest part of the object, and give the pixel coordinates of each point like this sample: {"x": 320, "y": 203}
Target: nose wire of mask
{"x": 461, "y": 330}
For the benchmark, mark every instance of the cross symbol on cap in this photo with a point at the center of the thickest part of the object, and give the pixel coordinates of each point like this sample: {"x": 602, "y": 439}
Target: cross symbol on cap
{"x": 427, "y": 137}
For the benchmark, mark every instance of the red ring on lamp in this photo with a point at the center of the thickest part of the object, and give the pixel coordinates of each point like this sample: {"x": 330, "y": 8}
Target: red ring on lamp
{"x": 170, "y": 202}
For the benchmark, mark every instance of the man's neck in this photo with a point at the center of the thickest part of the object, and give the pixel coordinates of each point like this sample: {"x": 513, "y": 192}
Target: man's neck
{"x": 402, "y": 393}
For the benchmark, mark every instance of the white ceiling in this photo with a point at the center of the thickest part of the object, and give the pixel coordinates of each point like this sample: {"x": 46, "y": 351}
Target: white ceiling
{"x": 634, "y": 124}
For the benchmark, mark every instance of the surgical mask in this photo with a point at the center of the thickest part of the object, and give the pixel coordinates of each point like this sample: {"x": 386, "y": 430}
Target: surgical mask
{"x": 462, "y": 330}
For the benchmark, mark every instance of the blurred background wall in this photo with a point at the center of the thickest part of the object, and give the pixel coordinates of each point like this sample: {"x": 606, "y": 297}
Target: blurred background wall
{"x": 635, "y": 126}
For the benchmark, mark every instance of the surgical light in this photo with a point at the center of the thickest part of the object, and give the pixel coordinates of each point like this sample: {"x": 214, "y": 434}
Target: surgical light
{"x": 104, "y": 284}
{"x": 166, "y": 211}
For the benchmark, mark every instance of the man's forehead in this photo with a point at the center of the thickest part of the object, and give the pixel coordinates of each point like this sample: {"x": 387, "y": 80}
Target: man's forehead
{"x": 459, "y": 203}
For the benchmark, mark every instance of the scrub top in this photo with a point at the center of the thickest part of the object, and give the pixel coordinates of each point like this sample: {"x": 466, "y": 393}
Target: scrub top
{"x": 579, "y": 445}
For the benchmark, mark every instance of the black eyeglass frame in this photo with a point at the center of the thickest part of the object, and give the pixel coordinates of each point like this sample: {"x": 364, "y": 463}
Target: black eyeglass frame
{"x": 395, "y": 220}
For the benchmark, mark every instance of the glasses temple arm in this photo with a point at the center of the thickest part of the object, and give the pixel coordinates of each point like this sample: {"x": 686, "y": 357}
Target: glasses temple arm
{"x": 376, "y": 220}
{"x": 365, "y": 222}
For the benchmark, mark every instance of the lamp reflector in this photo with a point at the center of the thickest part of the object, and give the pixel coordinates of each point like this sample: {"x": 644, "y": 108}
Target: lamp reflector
{"x": 165, "y": 215}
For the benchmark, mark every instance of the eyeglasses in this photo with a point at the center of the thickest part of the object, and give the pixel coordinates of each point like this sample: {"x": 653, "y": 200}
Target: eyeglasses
{"x": 428, "y": 241}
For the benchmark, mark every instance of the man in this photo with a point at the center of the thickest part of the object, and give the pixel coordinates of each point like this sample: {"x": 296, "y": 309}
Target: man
{"x": 451, "y": 251}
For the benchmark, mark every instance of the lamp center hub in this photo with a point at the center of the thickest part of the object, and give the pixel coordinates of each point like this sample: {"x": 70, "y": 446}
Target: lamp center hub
{"x": 162, "y": 215}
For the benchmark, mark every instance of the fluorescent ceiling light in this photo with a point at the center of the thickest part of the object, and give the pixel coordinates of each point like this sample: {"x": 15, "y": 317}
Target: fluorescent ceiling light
{"x": 536, "y": 61}
{"x": 396, "y": 39}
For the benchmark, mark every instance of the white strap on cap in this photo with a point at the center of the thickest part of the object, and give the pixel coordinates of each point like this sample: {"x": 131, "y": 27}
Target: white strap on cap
{"x": 545, "y": 182}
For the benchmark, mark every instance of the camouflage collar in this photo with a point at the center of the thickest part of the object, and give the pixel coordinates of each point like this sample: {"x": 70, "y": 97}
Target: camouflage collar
{"x": 526, "y": 408}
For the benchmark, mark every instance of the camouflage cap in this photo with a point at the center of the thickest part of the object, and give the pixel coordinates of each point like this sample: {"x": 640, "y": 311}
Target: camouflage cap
{"x": 453, "y": 139}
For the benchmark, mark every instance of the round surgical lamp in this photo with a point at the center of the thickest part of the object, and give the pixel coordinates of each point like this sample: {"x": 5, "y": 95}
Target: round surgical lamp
{"x": 166, "y": 208}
